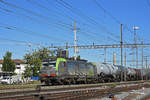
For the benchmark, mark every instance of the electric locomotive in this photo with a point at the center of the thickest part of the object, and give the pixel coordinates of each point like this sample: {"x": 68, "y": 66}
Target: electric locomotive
{"x": 67, "y": 71}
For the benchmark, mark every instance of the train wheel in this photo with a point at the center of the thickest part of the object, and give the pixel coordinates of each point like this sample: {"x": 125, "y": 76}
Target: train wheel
{"x": 109, "y": 80}
{"x": 48, "y": 83}
{"x": 73, "y": 81}
{"x": 61, "y": 83}
{"x": 69, "y": 82}
{"x": 102, "y": 75}
{"x": 103, "y": 81}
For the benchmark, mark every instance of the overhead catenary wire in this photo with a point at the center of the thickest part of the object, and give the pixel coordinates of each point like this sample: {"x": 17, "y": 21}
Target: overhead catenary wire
{"x": 42, "y": 22}
{"x": 49, "y": 10}
{"x": 33, "y": 19}
{"x": 100, "y": 54}
{"x": 22, "y": 9}
{"x": 41, "y": 6}
{"x": 18, "y": 42}
{"x": 70, "y": 17}
{"x": 68, "y": 6}
{"x": 85, "y": 17}
{"x": 84, "y": 32}
{"x": 28, "y": 31}
{"x": 34, "y": 13}
{"x": 90, "y": 19}
{"x": 99, "y": 5}
{"x": 25, "y": 31}
{"x": 31, "y": 12}
{"x": 114, "y": 18}
{"x": 96, "y": 38}
{"x": 109, "y": 14}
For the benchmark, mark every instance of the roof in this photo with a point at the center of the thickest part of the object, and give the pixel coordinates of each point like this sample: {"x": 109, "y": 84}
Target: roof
{"x": 15, "y": 60}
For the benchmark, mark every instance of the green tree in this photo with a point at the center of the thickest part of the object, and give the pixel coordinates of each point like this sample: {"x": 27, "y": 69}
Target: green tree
{"x": 28, "y": 71}
{"x": 8, "y": 65}
{"x": 37, "y": 63}
{"x": 78, "y": 57}
{"x": 34, "y": 60}
{"x": 28, "y": 58}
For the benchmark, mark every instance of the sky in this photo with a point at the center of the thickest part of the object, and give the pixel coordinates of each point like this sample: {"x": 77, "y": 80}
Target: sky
{"x": 40, "y": 23}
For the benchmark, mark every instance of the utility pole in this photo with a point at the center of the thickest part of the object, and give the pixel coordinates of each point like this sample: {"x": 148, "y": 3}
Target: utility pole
{"x": 67, "y": 53}
{"x": 75, "y": 41}
{"x": 105, "y": 55}
{"x": 146, "y": 66}
{"x": 133, "y": 55}
{"x": 121, "y": 43}
{"x": 125, "y": 65}
{"x": 142, "y": 62}
{"x": 114, "y": 58}
{"x": 135, "y": 40}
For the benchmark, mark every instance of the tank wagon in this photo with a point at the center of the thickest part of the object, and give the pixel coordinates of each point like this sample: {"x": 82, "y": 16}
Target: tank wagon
{"x": 66, "y": 71}
{"x": 145, "y": 73}
{"x": 107, "y": 72}
{"x": 130, "y": 73}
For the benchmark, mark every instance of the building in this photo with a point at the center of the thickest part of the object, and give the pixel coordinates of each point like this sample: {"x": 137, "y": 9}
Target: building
{"x": 20, "y": 66}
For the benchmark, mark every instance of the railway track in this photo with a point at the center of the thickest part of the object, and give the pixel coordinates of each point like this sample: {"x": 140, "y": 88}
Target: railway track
{"x": 73, "y": 92}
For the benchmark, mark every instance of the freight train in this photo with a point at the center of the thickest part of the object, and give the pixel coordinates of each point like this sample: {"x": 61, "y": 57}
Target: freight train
{"x": 69, "y": 71}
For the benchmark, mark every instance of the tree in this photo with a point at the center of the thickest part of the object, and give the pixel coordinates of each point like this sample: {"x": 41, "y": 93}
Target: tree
{"x": 28, "y": 72}
{"x": 34, "y": 60}
{"x": 78, "y": 57}
{"x": 8, "y": 65}
{"x": 37, "y": 63}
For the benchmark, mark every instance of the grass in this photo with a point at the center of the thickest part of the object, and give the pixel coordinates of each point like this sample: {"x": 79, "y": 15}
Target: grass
{"x": 17, "y": 86}
{"x": 112, "y": 86}
{"x": 31, "y": 84}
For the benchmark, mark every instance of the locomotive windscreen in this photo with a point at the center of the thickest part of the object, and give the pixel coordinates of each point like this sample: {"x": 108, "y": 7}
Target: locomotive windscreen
{"x": 48, "y": 67}
{"x": 51, "y": 64}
